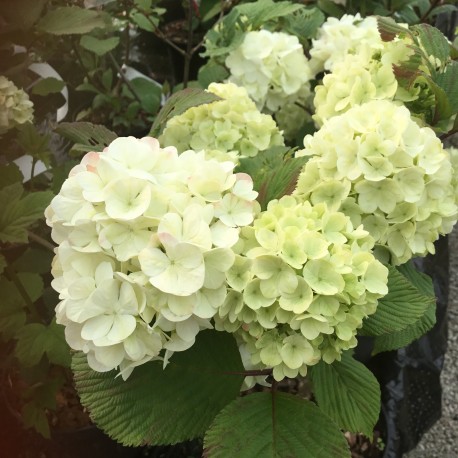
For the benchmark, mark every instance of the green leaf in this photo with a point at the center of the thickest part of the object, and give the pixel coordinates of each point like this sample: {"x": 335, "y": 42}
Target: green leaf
{"x": 34, "y": 416}
{"x": 388, "y": 28}
{"x": 146, "y": 23}
{"x": 330, "y": 8}
{"x": 349, "y": 393}
{"x": 22, "y": 14}
{"x": 48, "y": 86}
{"x": 66, "y": 20}
{"x": 156, "y": 406}
{"x": 262, "y": 11}
{"x": 87, "y": 136}
{"x": 32, "y": 283}
{"x": 19, "y": 212}
{"x": 34, "y": 142}
{"x": 35, "y": 260}
{"x": 12, "y": 313}
{"x": 3, "y": 263}
{"x": 210, "y": 73}
{"x": 448, "y": 82}
{"x": 304, "y": 23}
{"x": 98, "y": 46}
{"x": 402, "y": 306}
{"x": 149, "y": 93}
{"x": 433, "y": 41}
{"x": 178, "y": 103}
{"x": 209, "y": 9}
{"x": 274, "y": 425}
{"x": 400, "y": 339}
{"x": 10, "y": 174}
{"x": 35, "y": 340}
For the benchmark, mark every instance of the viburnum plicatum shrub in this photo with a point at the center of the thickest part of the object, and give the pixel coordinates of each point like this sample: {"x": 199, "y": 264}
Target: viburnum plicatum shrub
{"x": 271, "y": 66}
{"x": 145, "y": 237}
{"x": 226, "y": 129}
{"x": 303, "y": 280}
{"x": 15, "y": 105}
{"x": 375, "y": 164}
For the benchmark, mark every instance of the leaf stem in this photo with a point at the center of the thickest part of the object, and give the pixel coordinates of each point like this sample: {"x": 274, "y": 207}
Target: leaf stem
{"x": 123, "y": 77}
{"x": 36, "y": 238}
{"x": 11, "y": 273}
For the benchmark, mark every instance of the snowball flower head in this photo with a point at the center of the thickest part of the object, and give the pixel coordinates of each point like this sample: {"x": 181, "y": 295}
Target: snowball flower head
{"x": 378, "y": 166}
{"x": 339, "y": 37}
{"x": 226, "y": 129}
{"x": 145, "y": 237}
{"x": 271, "y": 66}
{"x": 302, "y": 282}
{"x": 15, "y": 106}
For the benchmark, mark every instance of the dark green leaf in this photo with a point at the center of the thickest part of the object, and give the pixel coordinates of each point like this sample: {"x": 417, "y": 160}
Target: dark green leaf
{"x": 10, "y": 174}
{"x": 414, "y": 331}
{"x": 274, "y": 425}
{"x": 304, "y": 23}
{"x": 35, "y": 260}
{"x": 48, "y": 86}
{"x": 35, "y": 417}
{"x": 98, "y": 46}
{"x": 402, "y": 306}
{"x": 210, "y": 73}
{"x": 433, "y": 41}
{"x": 32, "y": 283}
{"x": 178, "y": 103}
{"x": 262, "y": 11}
{"x": 19, "y": 212}
{"x": 87, "y": 136}
{"x": 348, "y": 392}
{"x": 3, "y": 263}
{"x": 164, "y": 406}
{"x": 448, "y": 82}
{"x": 330, "y": 8}
{"x": 209, "y": 9}
{"x": 12, "y": 313}
{"x": 66, "y": 20}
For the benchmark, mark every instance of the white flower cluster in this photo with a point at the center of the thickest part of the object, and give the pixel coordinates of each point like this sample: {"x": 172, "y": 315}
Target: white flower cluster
{"x": 227, "y": 129}
{"x": 15, "y": 106}
{"x": 360, "y": 78}
{"x": 271, "y": 66}
{"x": 145, "y": 237}
{"x": 339, "y": 37}
{"x": 302, "y": 282}
{"x": 378, "y": 166}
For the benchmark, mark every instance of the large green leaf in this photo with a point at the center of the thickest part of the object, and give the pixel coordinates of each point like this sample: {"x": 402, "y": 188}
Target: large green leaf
{"x": 304, "y": 23}
{"x": 395, "y": 340}
{"x": 10, "y": 174}
{"x": 433, "y": 41}
{"x": 19, "y": 212}
{"x": 402, "y": 306}
{"x": 87, "y": 136}
{"x": 150, "y": 94}
{"x": 66, "y": 20}
{"x": 211, "y": 72}
{"x": 262, "y": 11}
{"x": 348, "y": 392}
{"x": 448, "y": 82}
{"x": 157, "y": 406}
{"x": 178, "y": 103}
{"x": 276, "y": 425}
{"x": 48, "y": 86}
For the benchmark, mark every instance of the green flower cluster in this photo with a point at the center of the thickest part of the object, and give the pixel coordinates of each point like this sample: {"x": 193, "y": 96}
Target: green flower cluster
{"x": 360, "y": 78}
{"x": 226, "y": 129}
{"x": 378, "y": 166}
{"x": 15, "y": 106}
{"x": 302, "y": 282}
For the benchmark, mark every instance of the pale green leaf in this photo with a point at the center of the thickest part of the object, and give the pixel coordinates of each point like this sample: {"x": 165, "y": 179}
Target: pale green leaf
{"x": 48, "y": 86}
{"x": 164, "y": 406}
{"x": 348, "y": 392}
{"x": 178, "y": 103}
{"x": 99, "y": 46}
{"x": 274, "y": 425}
{"x": 86, "y": 136}
{"x": 66, "y": 20}
{"x": 402, "y": 306}
{"x": 149, "y": 93}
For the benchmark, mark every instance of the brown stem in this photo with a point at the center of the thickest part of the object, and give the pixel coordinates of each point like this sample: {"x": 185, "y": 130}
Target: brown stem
{"x": 36, "y": 238}
{"x": 188, "y": 55}
{"x": 11, "y": 273}
{"x": 121, "y": 75}
{"x": 431, "y": 7}
{"x": 249, "y": 373}
{"x": 448, "y": 134}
